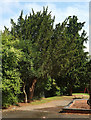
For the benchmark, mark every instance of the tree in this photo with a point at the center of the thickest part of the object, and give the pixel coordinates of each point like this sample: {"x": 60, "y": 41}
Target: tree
{"x": 11, "y": 81}
{"x": 77, "y": 56}
{"x": 45, "y": 58}
{"x": 68, "y": 57}
{"x": 34, "y": 33}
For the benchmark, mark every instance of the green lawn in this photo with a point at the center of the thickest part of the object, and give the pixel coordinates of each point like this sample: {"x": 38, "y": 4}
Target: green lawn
{"x": 80, "y": 94}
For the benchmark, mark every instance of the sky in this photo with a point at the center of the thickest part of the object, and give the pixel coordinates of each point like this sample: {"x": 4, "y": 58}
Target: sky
{"x": 59, "y": 9}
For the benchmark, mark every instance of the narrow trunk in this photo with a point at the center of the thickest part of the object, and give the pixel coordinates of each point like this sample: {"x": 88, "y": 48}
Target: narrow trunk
{"x": 31, "y": 90}
{"x": 25, "y": 94}
{"x": 70, "y": 92}
{"x": 70, "y": 87}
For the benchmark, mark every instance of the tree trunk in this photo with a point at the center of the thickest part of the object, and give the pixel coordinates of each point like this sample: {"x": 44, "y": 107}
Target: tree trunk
{"x": 31, "y": 90}
{"x": 70, "y": 92}
{"x": 70, "y": 87}
{"x": 24, "y": 91}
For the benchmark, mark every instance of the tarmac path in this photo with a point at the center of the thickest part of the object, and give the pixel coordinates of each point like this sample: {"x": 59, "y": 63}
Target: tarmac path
{"x": 46, "y": 110}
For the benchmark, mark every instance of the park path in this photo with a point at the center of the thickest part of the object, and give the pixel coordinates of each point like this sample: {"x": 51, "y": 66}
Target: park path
{"x": 28, "y": 106}
{"x": 54, "y": 103}
{"x": 46, "y": 110}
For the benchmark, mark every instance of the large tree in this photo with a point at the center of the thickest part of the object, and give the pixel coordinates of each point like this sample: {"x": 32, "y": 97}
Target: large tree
{"x": 69, "y": 51}
{"x": 35, "y": 32}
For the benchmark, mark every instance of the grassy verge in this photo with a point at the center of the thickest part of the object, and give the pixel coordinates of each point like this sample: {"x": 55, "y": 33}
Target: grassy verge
{"x": 45, "y": 100}
{"x": 80, "y": 94}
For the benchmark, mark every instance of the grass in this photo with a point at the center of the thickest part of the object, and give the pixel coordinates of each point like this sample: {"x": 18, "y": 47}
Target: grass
{"x": 80, "y": 94}
{"x": 45, "y": 100}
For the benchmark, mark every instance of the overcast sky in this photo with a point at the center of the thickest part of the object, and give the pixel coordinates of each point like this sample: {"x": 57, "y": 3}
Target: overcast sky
{"x": 60, "y": 10}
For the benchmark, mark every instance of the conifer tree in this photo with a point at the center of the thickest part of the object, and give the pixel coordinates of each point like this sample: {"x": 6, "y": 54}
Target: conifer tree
{"x": 69, "y": 51}
{"x": 34, "y": 32}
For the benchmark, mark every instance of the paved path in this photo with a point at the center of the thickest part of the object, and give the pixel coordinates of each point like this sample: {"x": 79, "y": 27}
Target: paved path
{"x": 54, "y": 103}
{"x": 41, "y": 114}
{"x": 46, "y": 110}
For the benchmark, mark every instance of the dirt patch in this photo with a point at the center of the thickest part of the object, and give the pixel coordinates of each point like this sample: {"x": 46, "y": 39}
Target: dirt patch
{"x": 82, "y": 104}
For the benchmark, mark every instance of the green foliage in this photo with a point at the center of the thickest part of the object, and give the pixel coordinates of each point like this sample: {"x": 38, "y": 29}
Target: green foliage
{"x": 49, "y": 83}
{"x": 11, "y": 81}
{"x": 54, "y": 56}
{"x": 34, "y": 32}
{"x": 69, "y": 59}
{"x": 9, "y": 98}
{"x": 51, "y": 88}
{"x": 0, "y": 59}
